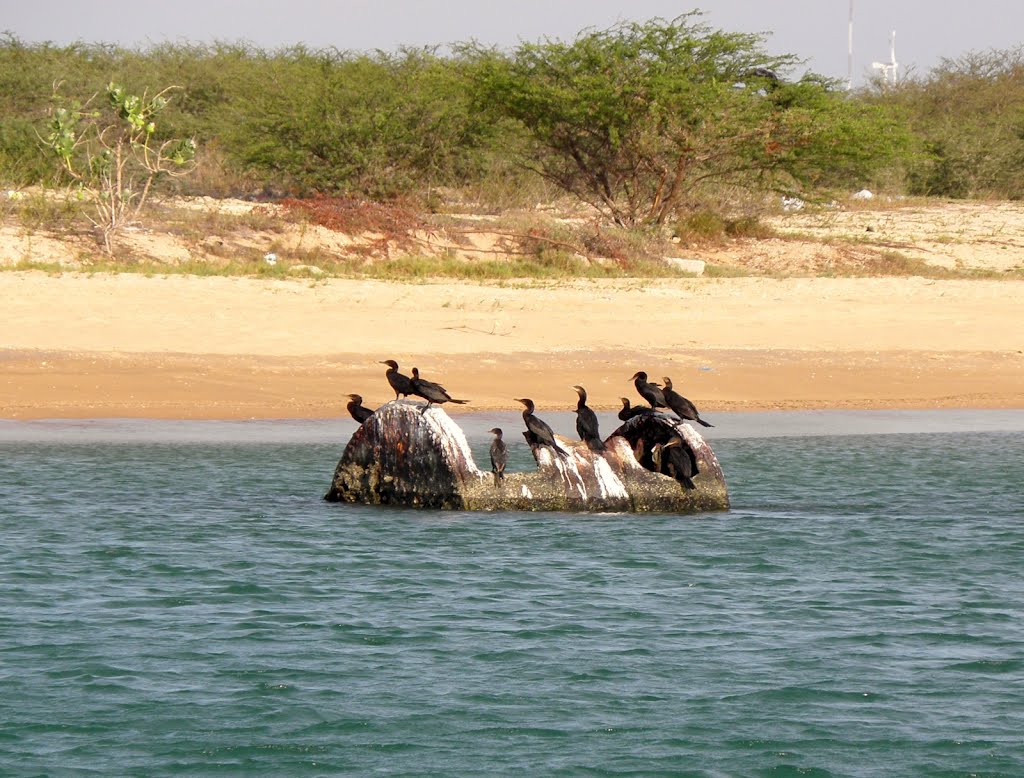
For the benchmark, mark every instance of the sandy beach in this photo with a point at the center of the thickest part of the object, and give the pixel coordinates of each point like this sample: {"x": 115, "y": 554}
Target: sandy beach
{"x": 128, "y": 345}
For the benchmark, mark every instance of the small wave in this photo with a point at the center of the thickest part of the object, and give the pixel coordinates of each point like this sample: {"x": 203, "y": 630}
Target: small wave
{"x": 988, "y": 666}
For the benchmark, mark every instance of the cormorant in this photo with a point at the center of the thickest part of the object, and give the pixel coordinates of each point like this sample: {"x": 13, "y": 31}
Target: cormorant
{"x": 356, "y": 408}
{"x": 628, "y": 412}
{"x": 431, "y": 392}
{"x": 765, "y": 73}
{"x": 499, "y": 456}
{"x": 586, "y": 422}
{"x": 650, "y": 392}
{"x": 677, "y": 460}
{"x": 541, "y": 431}
{"x": 682, "y": 407}
{"x": 402, "y": 384}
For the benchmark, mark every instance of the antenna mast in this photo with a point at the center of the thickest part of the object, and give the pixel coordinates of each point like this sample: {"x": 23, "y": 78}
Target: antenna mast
{"x": 849, "y": 58}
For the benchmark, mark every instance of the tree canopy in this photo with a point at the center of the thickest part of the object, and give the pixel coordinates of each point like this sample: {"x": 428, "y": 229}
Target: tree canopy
{"x": 629, "y": 119}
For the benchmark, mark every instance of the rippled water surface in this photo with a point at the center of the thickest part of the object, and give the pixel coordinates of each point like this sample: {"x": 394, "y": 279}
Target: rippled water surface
{"x": 193, "y": 607}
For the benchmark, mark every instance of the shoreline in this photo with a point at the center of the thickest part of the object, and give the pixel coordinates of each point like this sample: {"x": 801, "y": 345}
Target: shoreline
{"x": 187, "y": 347}
{"x": 54, "y": 385}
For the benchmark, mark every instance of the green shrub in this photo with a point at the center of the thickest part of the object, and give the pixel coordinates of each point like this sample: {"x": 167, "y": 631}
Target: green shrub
{"x": 748, "y": 227}
{"x": 968, "y": 116}
{"x": 700, "y": 226}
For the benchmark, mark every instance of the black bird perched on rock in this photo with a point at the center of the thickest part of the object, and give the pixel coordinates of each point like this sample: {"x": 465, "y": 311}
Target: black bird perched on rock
{"x": 682, "y": 407}
{"x": 650, "y": 392}
{"x": 431, "y": 392}
{"x": 402, "y": 384}
{"x": 629, "y": 412}
{"x": 355, "y": 407}
{"x": 499, "y": 456}
{"x": 586, "y": 422}
{"x": 541, "y": 431}
{"x": 675, "y": 459}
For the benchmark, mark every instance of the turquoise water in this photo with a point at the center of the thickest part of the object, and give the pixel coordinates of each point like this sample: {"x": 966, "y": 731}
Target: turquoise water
{"x": 191, "y": 607}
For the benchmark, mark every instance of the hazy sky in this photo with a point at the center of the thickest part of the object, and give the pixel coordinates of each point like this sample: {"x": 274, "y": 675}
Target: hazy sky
{"x": 815, "y": 30}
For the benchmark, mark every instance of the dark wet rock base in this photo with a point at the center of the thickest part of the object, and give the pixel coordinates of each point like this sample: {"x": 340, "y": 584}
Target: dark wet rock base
{"x": 404, "y": 457}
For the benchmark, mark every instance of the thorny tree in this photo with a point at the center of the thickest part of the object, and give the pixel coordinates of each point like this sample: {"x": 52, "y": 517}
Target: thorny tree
{"x": 633, "y": 118}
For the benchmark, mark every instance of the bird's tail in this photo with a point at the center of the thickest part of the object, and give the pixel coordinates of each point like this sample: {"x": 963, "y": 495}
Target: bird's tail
{"x": 701, "y": 421}
{"x": 687, "y": 483}
{"x": 459, "y": 402}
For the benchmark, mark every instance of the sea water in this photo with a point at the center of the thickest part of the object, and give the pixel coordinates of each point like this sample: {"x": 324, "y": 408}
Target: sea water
{"x": 178, "y": 600}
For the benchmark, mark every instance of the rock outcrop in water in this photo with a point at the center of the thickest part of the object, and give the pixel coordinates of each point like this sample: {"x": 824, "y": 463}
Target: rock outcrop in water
{"x": 401, "y": 456}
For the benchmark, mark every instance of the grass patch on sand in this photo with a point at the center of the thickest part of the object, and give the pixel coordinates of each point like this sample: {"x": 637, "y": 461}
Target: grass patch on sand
{"x": 710, "y": 227}
{"x": 726, "y": 271}
{"x": 552, "y": 266}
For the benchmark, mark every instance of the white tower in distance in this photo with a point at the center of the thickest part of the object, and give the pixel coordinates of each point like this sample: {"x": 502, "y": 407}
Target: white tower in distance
{"x": 849, "y": 56}
{"x": 889, "y": 69}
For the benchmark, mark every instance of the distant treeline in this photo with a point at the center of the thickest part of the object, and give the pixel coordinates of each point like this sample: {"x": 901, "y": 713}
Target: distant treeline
{"x": 638, "y": 120}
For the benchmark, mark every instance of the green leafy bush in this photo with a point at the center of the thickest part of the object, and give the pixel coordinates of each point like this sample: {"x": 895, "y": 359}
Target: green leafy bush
{"x": 112, "y": 153}
{"x": 632, "y": 118}
{"x": 968, "y": 114}
{"x": 644, "y": 121}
